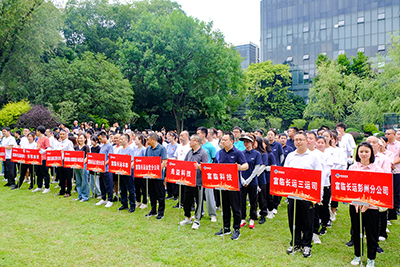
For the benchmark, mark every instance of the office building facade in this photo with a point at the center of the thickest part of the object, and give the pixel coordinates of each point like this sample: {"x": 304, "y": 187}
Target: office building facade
{"x": 295, "y": 32}
{"x": 249, "y": 52}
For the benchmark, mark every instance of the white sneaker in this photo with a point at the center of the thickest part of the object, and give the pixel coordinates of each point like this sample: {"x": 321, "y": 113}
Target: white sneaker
{"x": 333, "y": 217}
{"x": 270, "y": 215}
{"x": 101, "y": 202}
{"x": 47, "y": 190}
{"x": 218, "y": 209}
{"x": 57, "y": 186}
{"x": 138, "y": 204}
{"x": 185, "y": 221}
{"x": 143, "y": 206}
{"x": 388, "y": 222}
{"x": 356, "y": 261}
{"x": 37, "y": 190}
{"x": 26, "y": 181}
{"x": 387, "y": 230}
{"x": 99, "y": 197}
{"x": 195, "y": 225}
{"x": 109, "y": 204}
{"x": 274, "y": 211}
{"x": 316, "y": 239}
{"x": 5, "y": 180}
{"x": 381, "y": 238}
{"x": 370, "y": 263}
{"x": 213, "y": 219}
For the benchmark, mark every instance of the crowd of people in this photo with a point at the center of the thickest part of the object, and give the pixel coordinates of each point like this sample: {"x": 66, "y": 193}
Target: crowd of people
{"x": 253, "y": 152}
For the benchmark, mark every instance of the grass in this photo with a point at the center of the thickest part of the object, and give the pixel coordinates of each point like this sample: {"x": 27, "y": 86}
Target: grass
{"x": 41, "y": 230}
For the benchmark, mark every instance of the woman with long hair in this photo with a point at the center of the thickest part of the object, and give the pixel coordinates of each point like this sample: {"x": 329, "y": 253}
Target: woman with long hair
{"x": 82, "y": 175}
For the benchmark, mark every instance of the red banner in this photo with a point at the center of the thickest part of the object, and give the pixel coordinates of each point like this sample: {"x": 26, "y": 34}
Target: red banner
{"x": 54, "y": 158}
{"x": 147, "y": 167}
{"x": 375, "y": 188}
{"x": 302, "y": 183}
{"x": 183, "y": 172}
{"x": 2, "y": 154}
{"x": 96, "y": 162}
{"x": 32, "y": 156}
{"x": 74, "y": 159}
{"x": 120, "y": 164}
{"x": 18, "y": 155}
{"x": 223, "y": 176}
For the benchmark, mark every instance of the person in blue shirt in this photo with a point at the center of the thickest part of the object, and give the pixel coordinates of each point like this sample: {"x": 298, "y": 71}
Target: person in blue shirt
{"x": 237, "y": 133}
{"x": 291, "y": 132}
{"x": 106, "y": 179}
{"x": 275, "y": 147}
{"x": 172, "y": 145}
{"x": 231, "y": 199}
{"x": 283, "y": 138}
{"x": 156, "y": 186}
{"x": 249, "y": 180}
{"x": 271, "y": 162}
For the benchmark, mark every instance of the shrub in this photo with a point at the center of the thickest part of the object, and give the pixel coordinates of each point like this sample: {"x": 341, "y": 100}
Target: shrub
{"x": 352, "y": 130}
{"x": 10, "y": 112}
{"x": 316, "y": 123}
{"x": 299, "y": 123}
{"x": 357, "y": 136}
{"x": 370, "y": 128}
{"x": 38, "y": 115}
{"x": 275, "y": 123}
{"x": 379, "y": 134}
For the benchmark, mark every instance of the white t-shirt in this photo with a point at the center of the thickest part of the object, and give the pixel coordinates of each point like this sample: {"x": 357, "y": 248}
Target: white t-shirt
{"x": 32, "y": 145}
{"x": 339, "y": 159}
{"x": 181, "y": 151}
{"x": 9, "y": 141}
{"x": 24, "y": 142}
{"x": 348, "y": 144}
{"x": 216, "y": 145}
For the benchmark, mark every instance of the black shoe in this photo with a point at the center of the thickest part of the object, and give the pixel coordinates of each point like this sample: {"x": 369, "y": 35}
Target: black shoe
{"x": 7, "y": 184}
{"x": 159, "y": 217}
{"x": 398, "y": 212}
{"x": 329, "y": 224}
{"x": 379, "y": 250}
{"x": 150, "y": 214}
{"x": 13, "y": 187}
{"x": 322, "y": 231}
{"x": 261, "y": 220}
{"x": 175, "y": 199}
{"x": 350, "y": 244}
{"x": 226, "y": 231}
{"x": 123, "y": 208}
{"x": 30, "y": 188}
{"x": 131, "y": 210}
{"x": 177, "y": 206}
{"x": 290, "y": 250}
{"x": 236, "y": 234}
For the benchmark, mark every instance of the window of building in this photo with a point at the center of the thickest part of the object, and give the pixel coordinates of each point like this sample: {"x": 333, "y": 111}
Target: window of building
{"x": 340, "y": 23}
{"x": 342, "y": 52}
{"x": 361, "y": 49}
{"x": 306, "y": 57}
{"x": 381, "y": 16}
{"x": 306, "y": 76}
{"x": 269, "y": 35}
{"x": 289, "y": 32}
{"x": 381, "y": 47}
{"x": 305, "y": 29}
{"x": 289, "y": 59}
{"x": 289, "y": 47}
{"x": 323, "y": 26}
{"x": 360, "y": 20}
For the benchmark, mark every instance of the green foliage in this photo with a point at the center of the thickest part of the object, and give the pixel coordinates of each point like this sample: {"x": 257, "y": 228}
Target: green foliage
{"x": 357, "y": 136}
{"x": 66, "y": 111}
{"x": 352, "y": 130}
{"x": 275, "y": 123}
{"x": 379, "y": 134}
{"x": 370, "y": 128}
{"x": 35, "y": 117}
{"x": 100, "y": 121}
{"x": 10, "y": 112}
{"x": 299, "y": 123}
{"x": 318, "y": 122}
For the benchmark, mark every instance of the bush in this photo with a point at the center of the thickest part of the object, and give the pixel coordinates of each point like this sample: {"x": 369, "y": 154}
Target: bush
{"x": 38, "y": 115}
{"x": 370, "y": 128}
{"x": 299, "y": 123}
{"x": 275, "y": 123}
{"x": 10, "y": 112}
{"x": 317, "y": 123}
{"x": 352, "y": 130}
{"x": 357, "y": 136}
{"x": 379, "y": 134}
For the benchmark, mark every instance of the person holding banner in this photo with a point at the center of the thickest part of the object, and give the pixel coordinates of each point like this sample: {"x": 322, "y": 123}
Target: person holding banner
{"x": 231, "y": 199}
{"x": 43, "y": 144}
{"x": 126, "y": 181}
{"x": 198, "y": 155}
{"x": 394, "y": 146}
{"x": 82, "y": 175}
{"x": 140, "y": 185}
{"x": 8, "y": 143}
{"x": 370, "y": 214}
{"x": 106, "y": 179}
{"x": 261, "y": 179}
{"x": 64, "y": 174}
{"x": 93, "y": 177}
{"x": 271, "y": 206}
{"x": 31, "y": 144}
{"x": 249, "y": 180}
{"x": 302, "y": 158}
{"x": 156, "y": 186}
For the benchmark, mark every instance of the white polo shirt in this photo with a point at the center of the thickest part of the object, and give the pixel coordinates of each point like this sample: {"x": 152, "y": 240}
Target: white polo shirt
{"x": 9, "y": 141}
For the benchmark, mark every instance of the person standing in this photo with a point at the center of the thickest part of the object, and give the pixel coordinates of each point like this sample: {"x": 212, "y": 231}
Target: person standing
{"x": 394, "y": 146}
{"x": 304, "y": 159}
{"x": 197, "y": 155}
{"x": 64, "y": 174}
{"x": 82, "y": 175}
{"x": 231, "y": 199}
{"x": 346, "y": 142}
{"x": 31, "y": 144}
{"x": 172, "y": 145}
{"x": 43, "y": 144}
{"x": 156, "y": 186}
{"x": 8, "y": 143}
{"x": 180, "y": 154}
{"x": 140, "y": 184}
{"x": 93, "y": 177}
{"x": 291, "y": 132}
{"x": 237, "y": 133}
{"x": 283, "y": 138}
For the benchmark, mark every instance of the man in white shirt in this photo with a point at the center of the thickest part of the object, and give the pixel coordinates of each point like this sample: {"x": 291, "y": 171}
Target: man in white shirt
{"x": 8, "y": 143}
{"x": 180, "y": 154}
{"x": 346, "y": 142}
{"x": 24, "y": 140}
{"x": 213, "y": 139}
{"x": 65, "y": 174}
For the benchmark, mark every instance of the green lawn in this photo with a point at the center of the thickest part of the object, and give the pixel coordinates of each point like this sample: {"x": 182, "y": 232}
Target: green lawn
{"x": 40, "y": 230}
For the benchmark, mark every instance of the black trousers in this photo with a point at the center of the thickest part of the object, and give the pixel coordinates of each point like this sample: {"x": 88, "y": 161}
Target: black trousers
{"x": 9, "y": 171}
{"x": 383, "y": 224}
{"x": 324, "y": 209}
{"x": 370, "y": 221}
{"x": 22, "y": 173}
{"x": 42, "y": 172}
{"x": 231, "y": 200}
{"x": 106, "y": 186}
{"x": 396, "y": 191}
{"x": 304, "y": 222}
{"x": 217, "y": 198}
{"x": 126, "y": 184}
{"x": 270, "y": 199}
{"x": 262, "y": 200}
{"x": 140, "y": 188}
{"x": 192, "y": 194}
{"x": 65, "y": 176}
{"x": 157, "y": 193}
{"x": 251, "y": 191}
{"x": 172, "y": 190}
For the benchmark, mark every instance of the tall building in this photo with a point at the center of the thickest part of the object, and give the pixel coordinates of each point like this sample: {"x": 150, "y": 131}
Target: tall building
{"x": 249, "y": 52}
{"x": 297, "y": 31}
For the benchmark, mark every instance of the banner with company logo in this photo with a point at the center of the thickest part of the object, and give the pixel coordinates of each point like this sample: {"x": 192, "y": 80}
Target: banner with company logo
{"x": 375, "y": 188}
{"x": 302, "y": 183}
{"x": 18, "y": 155}
{"x": 2, "y": 154}
{"x": 120, "y": 164}
{"x": 220, "y": 176}
{"x": 96, "y": 162}
{"x": 32, "y": 156}
{"x": 74, "y": 159}
{"x": 182, "y": 172}
{"x": 147, "y": 167}
{"x": 54, "y": 158}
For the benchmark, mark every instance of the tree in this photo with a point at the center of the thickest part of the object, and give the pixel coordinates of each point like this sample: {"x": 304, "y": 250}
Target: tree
{"x": 177, "y": 64}
{"x": 267, "y": 91}
{"x": 36, "y": 116}
{"x": 93, "y": 84}
{"x": 11, "y": 111}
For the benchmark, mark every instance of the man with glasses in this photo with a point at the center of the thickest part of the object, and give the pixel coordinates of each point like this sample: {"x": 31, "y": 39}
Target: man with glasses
{"x": 237, "y": 133}
{"x": 394, "y": 146}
